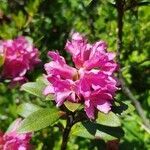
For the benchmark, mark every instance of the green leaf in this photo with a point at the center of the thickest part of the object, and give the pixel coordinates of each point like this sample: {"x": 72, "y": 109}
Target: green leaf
{"x": 32, "y": 7}
{"x": 34, "y": 88}
{"x": 87, "y": 2}
{"x": 42, "y": 79}
{"x": 11, "y": 126}
{"x": 40, "y": 119}
{"x": 49, "y": 97}
{"x": 8, "y": 31}
{"x": 26, "y": 109}
{"x": 20, "y": 19}
{"x": 93, "y": 130}
{"x": 37, "y": 88}
{"x": 130, "y": 108}
{"x": 109, "y": 119}
{"x": 2, "y": 58}
{"x": 123, "y": 108}
{"x": 72, "y": 106}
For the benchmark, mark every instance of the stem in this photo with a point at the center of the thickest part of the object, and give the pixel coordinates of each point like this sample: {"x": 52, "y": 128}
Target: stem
{"x": 73, "y": 118}
{"x": 66, "y": 132}
{"x": 120, "y": 10}
{"x": 137, "y": 4}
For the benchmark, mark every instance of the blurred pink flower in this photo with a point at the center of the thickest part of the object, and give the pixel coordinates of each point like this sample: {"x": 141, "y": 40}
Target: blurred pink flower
{"x": 12, "y": 140}
{"x": 91, "y": 81}
{"x": 1, "y": 140}
{"x": 20, "y": 57}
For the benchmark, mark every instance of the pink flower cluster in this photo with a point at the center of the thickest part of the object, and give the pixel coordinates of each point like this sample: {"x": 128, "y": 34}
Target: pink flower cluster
{"x": 90, "y": 82}
{"x": 19, "y": 57}
{"x": 11, "y": 140}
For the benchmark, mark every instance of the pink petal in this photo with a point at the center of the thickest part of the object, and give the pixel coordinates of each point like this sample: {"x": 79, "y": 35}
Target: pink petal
{"x": 89, "y": 109}
{"x": 109, "y": 67}
{"x": 56, "y": 57}
{"x": 61, "y": 97}
{"x": 96, "y": 61}
{"x": 59, "y": 67}
{"x": 111, "y": 55}
{"x": 100, "y": 46}
{"x": 79, "y": 49}
{"x": 48, "y": 90}
{"x": 84, "y": 87}
{"x": 104, "y": 107}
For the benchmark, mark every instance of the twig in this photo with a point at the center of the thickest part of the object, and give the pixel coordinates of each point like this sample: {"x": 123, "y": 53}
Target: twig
{"x": 143, "y": 3}
{"x": 120, "y": 10}
{"x": 134, "y": 65}
{"x": 72, "y": 118}
{"x": 136, "y": 103}
{"x": 133, "y": 5}
{"x": 144, "y": 127}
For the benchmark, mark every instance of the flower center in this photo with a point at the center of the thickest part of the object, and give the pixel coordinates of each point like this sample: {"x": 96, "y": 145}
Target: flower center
{"x": 76, "y": 76}
{"x": 79, "y": 74}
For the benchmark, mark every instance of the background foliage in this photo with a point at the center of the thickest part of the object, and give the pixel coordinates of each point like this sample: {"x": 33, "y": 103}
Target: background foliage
{"x": 49, "y": 23}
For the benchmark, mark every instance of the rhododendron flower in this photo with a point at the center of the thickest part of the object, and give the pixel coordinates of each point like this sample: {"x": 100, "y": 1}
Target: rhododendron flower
{"x": 91, "y": 81}
{"x": 12, "y": 140}
{"x": 20, "y": 56}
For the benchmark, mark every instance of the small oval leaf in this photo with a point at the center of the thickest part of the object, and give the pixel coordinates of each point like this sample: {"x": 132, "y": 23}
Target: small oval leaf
{"x": 72, "y": 106}
{"x": 123, "y": 108}
{"x": 91, "y": 130}
{"x": 34, "y": 88}
{"x": 109, "y": 119}
{"x": 26, "y": 109}
{"x": 40, "y": 119}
